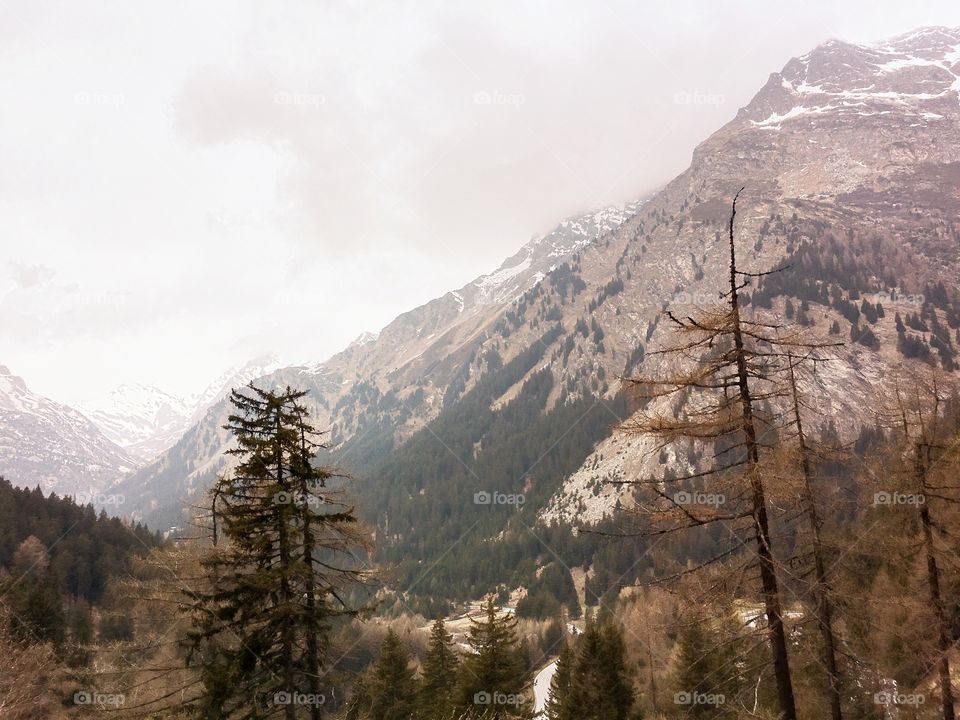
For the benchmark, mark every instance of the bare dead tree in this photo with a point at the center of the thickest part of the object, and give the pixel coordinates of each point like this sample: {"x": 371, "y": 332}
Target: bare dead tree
{"x": 928, "y": 439}
{"x": 731, "y": 378}
{"x": 821, "y": 588}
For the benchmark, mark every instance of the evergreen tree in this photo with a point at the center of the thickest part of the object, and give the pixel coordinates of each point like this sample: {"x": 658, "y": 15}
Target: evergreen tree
{"x": 260, "y": 628}
{"x": 558, "y": 707}
{"x": 493, "y": 675}
{"x": 598, "y": 686}
{"x": 439, "y": 675}
{"x": 706, "y": 674}
{"x": 388, "y": 690}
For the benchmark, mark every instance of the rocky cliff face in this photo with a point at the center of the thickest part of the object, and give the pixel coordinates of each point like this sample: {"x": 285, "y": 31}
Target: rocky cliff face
{"x": 850, "y": 160}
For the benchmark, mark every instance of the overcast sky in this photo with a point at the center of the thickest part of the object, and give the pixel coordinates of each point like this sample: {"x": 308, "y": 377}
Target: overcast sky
{"x": 184, "y": 185}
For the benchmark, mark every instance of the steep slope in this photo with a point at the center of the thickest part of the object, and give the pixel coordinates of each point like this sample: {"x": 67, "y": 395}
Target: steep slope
{"x": 384, "y": 386}
{"x": 851, "y": 159}
{"x": 51, "y": 445}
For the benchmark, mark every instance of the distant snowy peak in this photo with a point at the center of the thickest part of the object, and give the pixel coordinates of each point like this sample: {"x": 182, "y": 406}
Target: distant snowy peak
{"x": 542, "y": 254}
{"x": 913, "y": 78}
{"x": 364, "y": 338}
{"x": 141, "y": 418}
{"x": 231, "y": 379}
{"x": 146, "y": 421}
{"x": 45, "y": 443}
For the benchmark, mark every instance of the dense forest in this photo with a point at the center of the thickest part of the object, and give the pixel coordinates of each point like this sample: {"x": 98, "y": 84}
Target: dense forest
{"x": 779, "y": 572}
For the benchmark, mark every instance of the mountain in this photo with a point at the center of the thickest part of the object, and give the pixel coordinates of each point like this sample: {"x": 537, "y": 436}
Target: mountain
{"x": 142, "y": 419}
{"x": 511, "y": 386}
{"x": 231, "y": 378}
{"x": 146, "y": 420}
{"x": 415, "y": 356}
{"x": 54, "y": 446}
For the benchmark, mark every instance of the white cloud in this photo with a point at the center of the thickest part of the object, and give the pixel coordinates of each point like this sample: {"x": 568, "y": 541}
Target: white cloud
{"x": 161, "y": 158}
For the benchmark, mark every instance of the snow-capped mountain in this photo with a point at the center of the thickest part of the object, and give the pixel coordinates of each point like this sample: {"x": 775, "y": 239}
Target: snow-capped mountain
{"x": 142, "y": 419}
{"x": 145, "y": 420}
{"x": 850, "y": 154}
{"x": 45, "y": 443}
{"x": 912, "y": 79}
{"x": 231, "y": 378}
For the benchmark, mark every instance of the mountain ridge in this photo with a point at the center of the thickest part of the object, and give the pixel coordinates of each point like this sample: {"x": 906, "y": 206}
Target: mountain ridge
{"x": 46, "y": 443}
{"x": 861, "y": 206}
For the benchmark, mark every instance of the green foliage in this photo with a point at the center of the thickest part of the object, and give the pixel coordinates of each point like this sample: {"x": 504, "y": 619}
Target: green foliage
{"x": 438, "y": 675}
{"x": 493, "y": 676}
{"x": 593, "y": 682}
{"x": 85, "y": 549}
{"x": 388, "y": 690}
{"x": 706, "y": 669}
{"x": 260, "y": 630}
{"x": 552, "y": 590}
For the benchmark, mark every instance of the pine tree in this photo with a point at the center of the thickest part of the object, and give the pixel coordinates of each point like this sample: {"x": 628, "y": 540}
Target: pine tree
{"x": 558, "y": 707}
{"x": 494, "y": 674}
{"x": 439, "y": 675}
{"x": 260, "y": 628}
{"x": 388, "y": 690}
{"x": 706, "y": 670}
{"x": 599, "y": 686}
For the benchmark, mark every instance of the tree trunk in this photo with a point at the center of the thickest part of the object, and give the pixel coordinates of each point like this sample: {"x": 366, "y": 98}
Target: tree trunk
{"x": 768, "y": 574}
{"x": 286, "y": 595}
{"x": 313, "y": 649}
{"x": 821, "y": 589}
{"x": 936, "y": 599}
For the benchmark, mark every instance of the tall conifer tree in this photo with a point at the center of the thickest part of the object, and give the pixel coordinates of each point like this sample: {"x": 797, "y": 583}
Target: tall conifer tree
{"x": 287, "y": 553}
